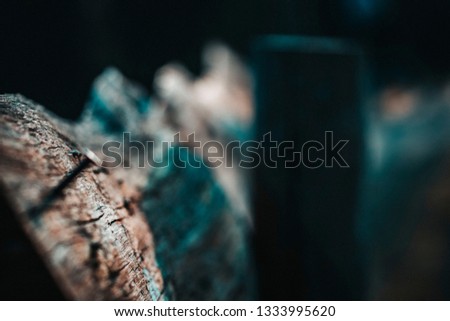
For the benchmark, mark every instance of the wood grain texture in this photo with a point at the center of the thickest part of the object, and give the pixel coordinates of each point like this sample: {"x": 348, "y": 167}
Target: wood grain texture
{"x": 93, "y": 238}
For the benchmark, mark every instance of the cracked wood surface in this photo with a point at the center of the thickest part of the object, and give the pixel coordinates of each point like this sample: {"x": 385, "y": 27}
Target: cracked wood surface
{"x": 93, "y": 238}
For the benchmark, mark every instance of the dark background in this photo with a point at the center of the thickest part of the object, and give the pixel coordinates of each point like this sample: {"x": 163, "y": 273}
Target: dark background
{"x": 52, "y": 50}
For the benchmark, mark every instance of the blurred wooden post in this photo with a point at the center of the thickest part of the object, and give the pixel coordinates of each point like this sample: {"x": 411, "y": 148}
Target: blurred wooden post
{"x": 305, "y": 217}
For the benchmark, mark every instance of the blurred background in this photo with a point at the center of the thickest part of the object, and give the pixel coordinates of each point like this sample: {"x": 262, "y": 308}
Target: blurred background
{"x": 378, "y": 230}
{"x": 52, "y": 50}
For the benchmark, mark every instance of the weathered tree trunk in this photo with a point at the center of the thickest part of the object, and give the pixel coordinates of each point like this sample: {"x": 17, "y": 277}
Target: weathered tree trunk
{"x": 92, "y": 237}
